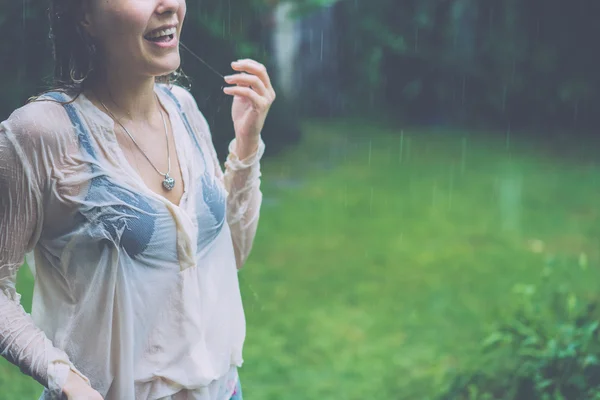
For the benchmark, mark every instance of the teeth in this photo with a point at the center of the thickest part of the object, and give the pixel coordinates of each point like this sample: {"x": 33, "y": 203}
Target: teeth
{"x": 165, "y": 32}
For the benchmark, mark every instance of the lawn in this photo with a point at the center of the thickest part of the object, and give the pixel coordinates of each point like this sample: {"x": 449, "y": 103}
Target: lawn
{"x": 384, "y": 256}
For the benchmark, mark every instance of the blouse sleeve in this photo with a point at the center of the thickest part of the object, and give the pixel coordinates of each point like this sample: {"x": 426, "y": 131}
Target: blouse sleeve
{"x": 241, "y": 180}
{"x": 21, "y": 216}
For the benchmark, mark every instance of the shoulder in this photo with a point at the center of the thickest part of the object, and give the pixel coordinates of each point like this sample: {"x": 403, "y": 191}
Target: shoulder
{"x": 180, "y": 95}
{"x": 183, "y": 95}
{"x": 36, "y": 132}
{"x": 186, "y": 101}
{"x": 39, "y": 120}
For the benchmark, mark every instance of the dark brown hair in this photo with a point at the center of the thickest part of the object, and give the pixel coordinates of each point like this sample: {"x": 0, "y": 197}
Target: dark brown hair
{"x": 75, "y": 54}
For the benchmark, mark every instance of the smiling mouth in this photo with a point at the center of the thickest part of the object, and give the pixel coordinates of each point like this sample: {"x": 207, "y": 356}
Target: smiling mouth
{"x": 162, "y": 36}
{"x": 162, "y": 39}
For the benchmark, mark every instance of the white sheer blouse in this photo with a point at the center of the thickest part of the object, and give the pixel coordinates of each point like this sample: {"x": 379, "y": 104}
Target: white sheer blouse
{"x": 134, "y": 293}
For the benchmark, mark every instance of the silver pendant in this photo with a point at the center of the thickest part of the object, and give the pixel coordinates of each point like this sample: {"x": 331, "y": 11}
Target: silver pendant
{"x": 168, "y": 183}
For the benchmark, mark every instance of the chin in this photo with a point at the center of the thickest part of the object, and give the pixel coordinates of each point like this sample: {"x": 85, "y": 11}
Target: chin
{"x": 165, "y": 67}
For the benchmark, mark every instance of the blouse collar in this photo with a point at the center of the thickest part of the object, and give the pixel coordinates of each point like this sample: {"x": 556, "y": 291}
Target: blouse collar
{"x": 106, "y": 121}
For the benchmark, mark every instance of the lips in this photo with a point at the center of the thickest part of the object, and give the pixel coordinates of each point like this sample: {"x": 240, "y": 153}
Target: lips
{"x": 162, "y": 34}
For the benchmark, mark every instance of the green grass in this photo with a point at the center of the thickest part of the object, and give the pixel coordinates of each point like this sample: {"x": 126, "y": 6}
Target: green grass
{"x": 384, "y": 257}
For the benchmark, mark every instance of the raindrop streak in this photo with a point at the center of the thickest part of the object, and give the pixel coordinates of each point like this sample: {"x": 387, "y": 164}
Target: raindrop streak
{"x": 504, "y": 94}
{"x": 321, "y": 46}
{"x": 262, "y": 307}
{"x": 510, "y": 199}
{"x": 401, "y": 145}
{"x": 454, "y": 38}
{"x": 23, "y": 46}
{"x": 451, "y": 186}
{"x": 201, "y": 60}
{"x": 464, "y": 155}
{"x": 370, "y": 149}
{"x": 345, "y": 149}
{"x": 416, "y": 39}
{"x": 514, "y": 70}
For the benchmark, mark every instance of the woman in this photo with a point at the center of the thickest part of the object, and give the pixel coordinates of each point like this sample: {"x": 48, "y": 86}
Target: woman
{"x": 137, "y": 234}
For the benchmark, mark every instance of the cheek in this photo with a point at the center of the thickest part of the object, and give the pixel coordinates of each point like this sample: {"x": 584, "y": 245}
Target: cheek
{"x": 122, "y": 25}
{"x": 182, "y": 11}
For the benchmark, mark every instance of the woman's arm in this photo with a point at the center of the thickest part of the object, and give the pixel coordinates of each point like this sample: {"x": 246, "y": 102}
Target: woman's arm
{"x": 21, "y": 216}
{"x": 241, "y": 180}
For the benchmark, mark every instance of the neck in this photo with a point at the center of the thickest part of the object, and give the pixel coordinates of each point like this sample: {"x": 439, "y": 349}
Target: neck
{"x": 128, "y": 98}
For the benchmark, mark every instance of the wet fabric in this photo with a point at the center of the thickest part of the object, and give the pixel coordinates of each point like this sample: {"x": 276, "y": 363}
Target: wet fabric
{"x": 232, "y": 387}
{"x": 136, "y": 294}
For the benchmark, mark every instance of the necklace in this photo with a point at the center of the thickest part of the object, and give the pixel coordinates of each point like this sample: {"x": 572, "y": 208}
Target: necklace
{"x": 168, "y": 182}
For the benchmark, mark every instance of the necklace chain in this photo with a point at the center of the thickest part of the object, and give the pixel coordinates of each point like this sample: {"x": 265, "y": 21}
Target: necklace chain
{"x": 168, "y": 182}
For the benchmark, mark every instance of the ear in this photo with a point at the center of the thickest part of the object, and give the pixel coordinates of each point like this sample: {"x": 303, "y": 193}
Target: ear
{"x": 85, "y": 17}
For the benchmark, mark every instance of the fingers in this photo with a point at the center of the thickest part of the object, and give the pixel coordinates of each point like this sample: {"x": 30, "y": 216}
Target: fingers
{"x": 255, "y": 68}
{"x": 260, "y": 102}
{"x": 252, "y": 81}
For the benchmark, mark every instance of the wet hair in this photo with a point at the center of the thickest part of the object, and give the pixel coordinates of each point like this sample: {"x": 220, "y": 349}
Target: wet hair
{"x": 76, "y": 57}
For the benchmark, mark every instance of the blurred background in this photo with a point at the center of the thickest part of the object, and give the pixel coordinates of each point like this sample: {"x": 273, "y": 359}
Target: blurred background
{"x": 431, "y": 190}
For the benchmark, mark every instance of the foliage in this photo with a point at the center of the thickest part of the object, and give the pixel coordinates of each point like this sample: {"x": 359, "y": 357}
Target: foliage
{"x": 502, "y": 63}
{"x": 368, "y": 284}
{"x": 217, "y": 32}
{"x": 428, "y": 61}
{"x": 549, "y": 349}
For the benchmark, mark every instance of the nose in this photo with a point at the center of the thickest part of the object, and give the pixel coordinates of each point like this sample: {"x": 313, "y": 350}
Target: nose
{"x": 168, "y": 6}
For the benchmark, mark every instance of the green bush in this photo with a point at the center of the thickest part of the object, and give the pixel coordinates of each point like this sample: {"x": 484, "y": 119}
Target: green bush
{"x": 548, "y": 349}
